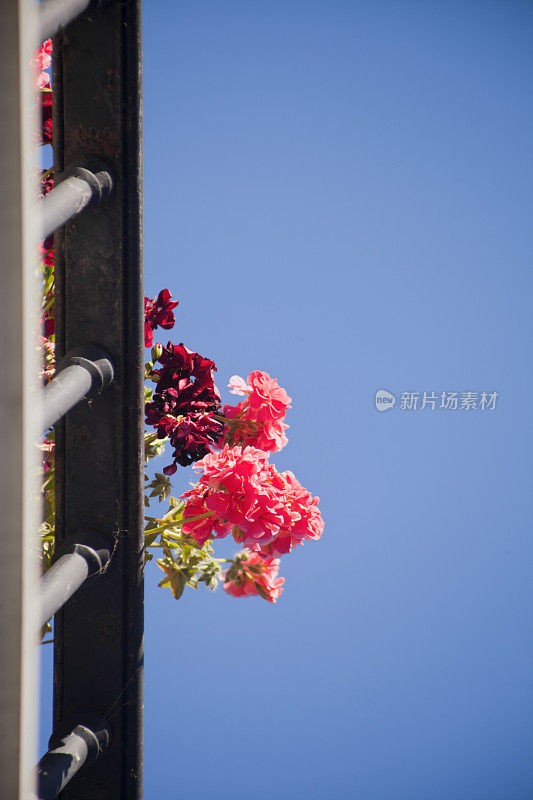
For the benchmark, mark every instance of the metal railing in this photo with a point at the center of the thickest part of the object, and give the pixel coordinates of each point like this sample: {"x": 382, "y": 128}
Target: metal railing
{"x": 72, "y": 192}
{"x": 94, "y": 588}
{"x": 77, "y": 745}
{"x": 82, "y": 374}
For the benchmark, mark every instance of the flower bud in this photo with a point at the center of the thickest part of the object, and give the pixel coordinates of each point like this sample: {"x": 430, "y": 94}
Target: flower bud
{"x": 157, "y": 351}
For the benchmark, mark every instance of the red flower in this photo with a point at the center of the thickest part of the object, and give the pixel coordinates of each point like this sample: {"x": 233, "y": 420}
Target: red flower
{"x": 47, "y": 182}
{"x": 191, "y": 437}
{"x": 158, "y": 313}
{"x": 49, "y": 327}
{"x": 47, "y": 251}
{"x": 46, "y": 114}
{"x": 184, "y": 401}
{"x": 187, "y": 377}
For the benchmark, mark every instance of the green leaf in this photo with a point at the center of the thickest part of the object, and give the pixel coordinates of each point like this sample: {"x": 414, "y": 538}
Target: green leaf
{"x": 160, "y": 486}
{"x": 177, "y": 583}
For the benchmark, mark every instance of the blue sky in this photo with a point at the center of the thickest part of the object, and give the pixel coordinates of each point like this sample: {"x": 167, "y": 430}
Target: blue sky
{"x": 340, "y": 194}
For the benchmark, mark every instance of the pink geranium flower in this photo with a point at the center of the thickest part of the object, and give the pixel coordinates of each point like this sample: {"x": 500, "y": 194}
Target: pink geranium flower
{"x": 41, "y": 62}
{"x": 257, "y": 420}
{"x": 43, "y": 57}
{"x": 198, "y": 521}
{"x": 250, "y": 575}
{"x": 268, "y": 399}
{"x": 236, "y": 493}
{"x": 306, "y": 519}
{"x": 267, "y": 511}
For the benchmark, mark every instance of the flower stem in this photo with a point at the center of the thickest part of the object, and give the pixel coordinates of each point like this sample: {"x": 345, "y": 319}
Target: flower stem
{"x": 176, "y": 523}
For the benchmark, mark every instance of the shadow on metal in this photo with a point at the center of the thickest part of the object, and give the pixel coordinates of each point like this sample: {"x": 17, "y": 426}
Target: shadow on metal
{"x": 83, "y": 554}
{"x": 75, "y": 745}
{"x": 74, "y": 190}
{"x": 54, "y": 15}
{"x": 82, "y": 373}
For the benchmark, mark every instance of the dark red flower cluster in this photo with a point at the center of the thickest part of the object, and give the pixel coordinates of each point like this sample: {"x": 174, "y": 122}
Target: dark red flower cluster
{"x": 183, "y": 405}
{"x": 158, "y": 313}
{"x": 47, "y": 182}
{"x": 49, "y": 323}
{"x": 46, "y": 115}
{"x": 192, "y": 438}
{"x": 46, "y": 249}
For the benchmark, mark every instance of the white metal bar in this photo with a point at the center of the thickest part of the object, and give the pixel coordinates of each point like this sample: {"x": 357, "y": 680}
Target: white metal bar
{"x": 56, "y": 14}
{"x": 19, "y": 504}
{"x": 70, "y": 196}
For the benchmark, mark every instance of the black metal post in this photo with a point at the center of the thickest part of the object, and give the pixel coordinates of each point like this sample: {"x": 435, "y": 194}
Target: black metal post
{"x": 71, "y": 195}
{"x": 82, "y": 373}
{"x": 100, "y": 446}
{"x": 88, "y": 556}
{"x": 56, "y": 14}
{"x": 76, "y": 747}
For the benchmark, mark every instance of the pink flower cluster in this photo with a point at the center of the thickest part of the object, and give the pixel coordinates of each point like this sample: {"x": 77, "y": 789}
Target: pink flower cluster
{"x": 250, "y": 574}
{"x": 241, "y": 493}
{"x": 257, "y": 420}
{"x": 41, "y": 62}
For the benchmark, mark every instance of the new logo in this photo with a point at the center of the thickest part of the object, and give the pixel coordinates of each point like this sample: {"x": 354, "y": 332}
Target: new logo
{"x": 384, "y": 400}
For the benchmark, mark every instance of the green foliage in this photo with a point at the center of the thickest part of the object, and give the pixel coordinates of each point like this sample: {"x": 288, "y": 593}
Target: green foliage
{"x": 153, "y": 446}
{"x": 160, "y": 486}
{"x": 183, "y": 562}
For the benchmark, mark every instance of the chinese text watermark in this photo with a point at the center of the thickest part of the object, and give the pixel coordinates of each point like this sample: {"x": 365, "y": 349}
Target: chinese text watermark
{"x": 432, "y": 401}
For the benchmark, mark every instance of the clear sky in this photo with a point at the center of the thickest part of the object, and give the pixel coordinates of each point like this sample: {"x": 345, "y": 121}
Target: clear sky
{"x": 340, "y": 193}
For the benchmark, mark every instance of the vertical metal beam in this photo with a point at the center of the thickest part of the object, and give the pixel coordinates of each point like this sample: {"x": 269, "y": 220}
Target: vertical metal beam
{"x": 18, "y": 369}
{"x": 100, "y": 460}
